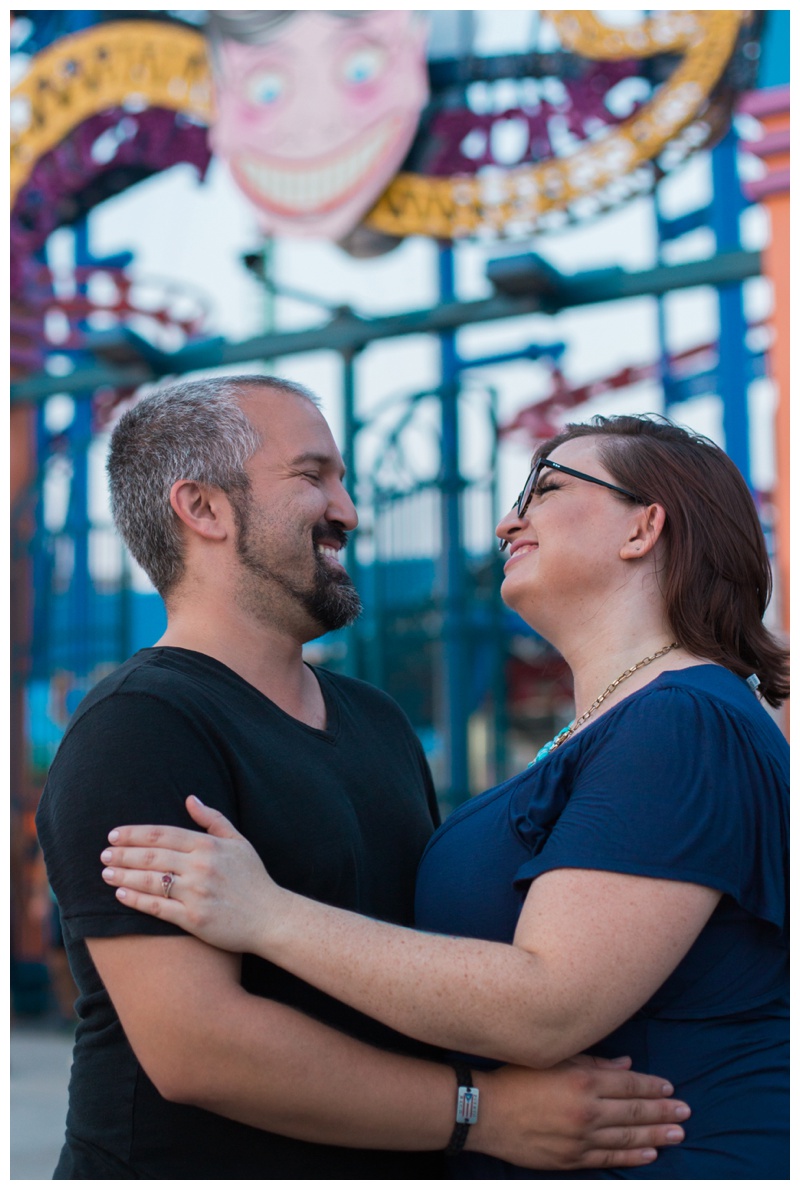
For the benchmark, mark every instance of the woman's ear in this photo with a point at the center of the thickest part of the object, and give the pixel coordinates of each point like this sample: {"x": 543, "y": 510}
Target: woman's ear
{"x": 202, "y": 508}
{"x": 645, "y": 529}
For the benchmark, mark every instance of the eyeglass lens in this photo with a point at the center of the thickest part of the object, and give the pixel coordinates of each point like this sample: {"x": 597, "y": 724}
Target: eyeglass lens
{"x": 527, "y": 492}
{"x": 524, "y": 498}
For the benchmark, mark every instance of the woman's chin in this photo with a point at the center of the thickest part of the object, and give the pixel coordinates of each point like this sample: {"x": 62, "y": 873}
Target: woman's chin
{"x": 513, "y": 593}
{"x": 517, "y": 596}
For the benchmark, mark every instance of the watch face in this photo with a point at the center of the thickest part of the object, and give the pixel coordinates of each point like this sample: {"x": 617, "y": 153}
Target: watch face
{"x": 467, "y": 1106}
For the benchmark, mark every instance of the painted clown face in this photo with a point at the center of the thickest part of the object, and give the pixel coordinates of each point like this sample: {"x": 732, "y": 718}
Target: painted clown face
{"x": 315, "y": 123}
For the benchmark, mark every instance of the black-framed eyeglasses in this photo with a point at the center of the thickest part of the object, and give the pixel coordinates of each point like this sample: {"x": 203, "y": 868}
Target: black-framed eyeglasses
{"x": 526, "y": 495}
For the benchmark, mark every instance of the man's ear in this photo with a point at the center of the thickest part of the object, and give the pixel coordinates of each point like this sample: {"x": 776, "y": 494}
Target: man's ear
{"x": 645, "y": 529}
{"x": 202, "y": 508}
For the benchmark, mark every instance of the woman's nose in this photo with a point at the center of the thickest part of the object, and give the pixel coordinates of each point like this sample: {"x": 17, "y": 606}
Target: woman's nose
{"x": 511, "y": 523}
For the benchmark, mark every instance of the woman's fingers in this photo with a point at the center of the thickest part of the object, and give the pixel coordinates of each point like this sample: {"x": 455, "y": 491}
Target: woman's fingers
{"x": 144, "y": 882}
{"x": 186, "y": 906}
{"x": 148, "y": 859}
{"x": 222, "y": 892}
{"x": 211, "y": 820}
{"x": 165, "y": 908}
{"x": 172, "y": 838}
{"x": 176, "y": 838}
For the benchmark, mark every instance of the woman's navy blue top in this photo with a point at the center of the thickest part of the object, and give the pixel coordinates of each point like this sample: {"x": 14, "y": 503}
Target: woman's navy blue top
{"x": 686, "y": 779}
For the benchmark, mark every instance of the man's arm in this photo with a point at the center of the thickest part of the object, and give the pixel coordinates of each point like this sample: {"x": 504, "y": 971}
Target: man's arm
{"x": 205, "y": 1041}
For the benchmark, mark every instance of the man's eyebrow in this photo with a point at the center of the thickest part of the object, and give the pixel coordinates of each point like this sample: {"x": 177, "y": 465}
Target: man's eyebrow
{"x": 310, "y": 456}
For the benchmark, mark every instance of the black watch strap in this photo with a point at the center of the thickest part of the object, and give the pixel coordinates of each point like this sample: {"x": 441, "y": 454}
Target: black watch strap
{"x": 467, "y": 1097}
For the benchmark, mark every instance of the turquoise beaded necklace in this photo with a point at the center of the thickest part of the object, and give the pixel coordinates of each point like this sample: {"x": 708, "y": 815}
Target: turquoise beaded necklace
{"x": 562, "y": 736}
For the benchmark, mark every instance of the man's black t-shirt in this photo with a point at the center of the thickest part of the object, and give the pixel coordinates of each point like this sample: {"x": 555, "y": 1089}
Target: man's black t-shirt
{"x": 341, "y": 815}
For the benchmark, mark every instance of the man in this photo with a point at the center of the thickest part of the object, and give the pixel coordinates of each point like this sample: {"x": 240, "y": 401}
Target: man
{"x": 192, "y": 1063}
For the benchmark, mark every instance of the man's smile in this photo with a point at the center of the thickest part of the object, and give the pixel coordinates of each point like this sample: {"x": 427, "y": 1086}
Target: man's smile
{"x": 330, "y": 552}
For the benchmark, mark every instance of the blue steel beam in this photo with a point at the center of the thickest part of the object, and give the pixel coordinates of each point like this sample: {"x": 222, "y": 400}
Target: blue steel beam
{"x": 733, "y": 368}
{"x": 451, "y": 484}
{"x": 348, "y": 332}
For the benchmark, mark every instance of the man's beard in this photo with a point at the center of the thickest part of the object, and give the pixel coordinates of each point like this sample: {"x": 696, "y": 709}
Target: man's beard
{"x": 331, "y": 600}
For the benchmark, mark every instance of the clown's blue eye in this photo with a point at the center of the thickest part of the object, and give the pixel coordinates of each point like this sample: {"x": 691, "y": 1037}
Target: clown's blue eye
{"x": 363, "y": 66}
{"x": 265, "y": 88}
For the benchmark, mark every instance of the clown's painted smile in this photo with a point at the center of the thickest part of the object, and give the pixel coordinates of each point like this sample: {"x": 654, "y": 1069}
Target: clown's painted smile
{"x": 313, "y": 186}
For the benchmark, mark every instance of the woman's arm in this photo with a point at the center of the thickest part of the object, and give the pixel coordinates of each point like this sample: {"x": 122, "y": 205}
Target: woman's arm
{"x": 210, "y": 1044}
{"x": 590, "y": 948}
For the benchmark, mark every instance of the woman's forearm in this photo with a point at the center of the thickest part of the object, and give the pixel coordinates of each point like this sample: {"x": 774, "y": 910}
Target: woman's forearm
{"x": 464, "y": 994}
{"x": 485, "y": 998}
{"x": 589, "y": 950}
{"x": 590, "y": 946}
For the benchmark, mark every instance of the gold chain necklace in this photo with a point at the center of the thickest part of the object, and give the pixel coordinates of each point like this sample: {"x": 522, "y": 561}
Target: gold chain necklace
{"x": 566, "y": 732}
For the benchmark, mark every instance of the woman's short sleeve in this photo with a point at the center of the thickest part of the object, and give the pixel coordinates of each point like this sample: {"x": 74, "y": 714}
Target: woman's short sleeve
{"x": 676, "y": 785}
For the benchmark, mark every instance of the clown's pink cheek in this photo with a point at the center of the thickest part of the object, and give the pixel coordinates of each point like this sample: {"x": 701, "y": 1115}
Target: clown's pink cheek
{"x": 364, "y": 95}
{"x": 251, "y": 115}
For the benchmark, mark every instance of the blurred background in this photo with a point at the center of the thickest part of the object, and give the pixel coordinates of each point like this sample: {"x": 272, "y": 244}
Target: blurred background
{"x": 461, "y": 229}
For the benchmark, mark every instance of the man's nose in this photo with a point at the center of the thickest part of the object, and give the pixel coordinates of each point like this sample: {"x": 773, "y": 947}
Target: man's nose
{"x": 342, "y": 509}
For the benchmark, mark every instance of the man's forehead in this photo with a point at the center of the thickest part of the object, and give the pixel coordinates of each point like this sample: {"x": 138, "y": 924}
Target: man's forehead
{"x": 262, "y": 394}
{"x": 292, "y": 429}
{"x": 273, "y": 410}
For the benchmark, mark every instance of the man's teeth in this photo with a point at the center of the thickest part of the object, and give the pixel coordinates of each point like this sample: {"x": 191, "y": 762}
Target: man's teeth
{"x": 328, "y": 550}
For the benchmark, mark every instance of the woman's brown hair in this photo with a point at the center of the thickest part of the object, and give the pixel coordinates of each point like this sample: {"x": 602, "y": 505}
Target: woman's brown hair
{"x": 716, "y": 580}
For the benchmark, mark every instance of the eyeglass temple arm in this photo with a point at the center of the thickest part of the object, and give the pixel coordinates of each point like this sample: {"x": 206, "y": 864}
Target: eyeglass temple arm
{"x": 592, "y": 479}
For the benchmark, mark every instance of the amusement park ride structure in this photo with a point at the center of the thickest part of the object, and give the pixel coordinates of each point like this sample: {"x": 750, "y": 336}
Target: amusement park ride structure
{"x": 106, "y": 102}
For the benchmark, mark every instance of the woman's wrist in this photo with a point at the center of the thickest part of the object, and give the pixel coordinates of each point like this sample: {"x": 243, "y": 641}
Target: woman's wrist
{"x": 276, "y": 924}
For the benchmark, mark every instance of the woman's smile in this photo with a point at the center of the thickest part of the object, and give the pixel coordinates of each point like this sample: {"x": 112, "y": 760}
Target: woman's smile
{"x": 518, "y": 549}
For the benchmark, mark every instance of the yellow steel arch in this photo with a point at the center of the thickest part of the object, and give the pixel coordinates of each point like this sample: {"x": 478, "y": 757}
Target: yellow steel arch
{"x": 452, "y": 207}
{"x": 115, "y": 64}
{"x": 152, "y": 63}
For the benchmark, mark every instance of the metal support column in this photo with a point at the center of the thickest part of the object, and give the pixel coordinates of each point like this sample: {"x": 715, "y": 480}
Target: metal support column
{"x": 735, "y": 366}
{"x": 353, "y": 658}
{"x": 664, "y": 370}
{"x": 77, "y": 526}
{"x": 454, "y": 683}
{"x": 78, "y": 522}
{"x": 499, "y": 637}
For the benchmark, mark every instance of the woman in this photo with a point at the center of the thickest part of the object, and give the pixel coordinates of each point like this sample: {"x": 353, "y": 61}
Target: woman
{"x": 627, "y": 891}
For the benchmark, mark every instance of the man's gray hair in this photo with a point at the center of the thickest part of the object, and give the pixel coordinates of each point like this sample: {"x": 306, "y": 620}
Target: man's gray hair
{"x": 193, "y": 430}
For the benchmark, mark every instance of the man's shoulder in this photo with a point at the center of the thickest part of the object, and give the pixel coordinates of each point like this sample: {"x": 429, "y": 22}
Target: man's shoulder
{"x": 137, "y": 723}
{"x": 158, "y": 673}
{"x": 135, "y": 669}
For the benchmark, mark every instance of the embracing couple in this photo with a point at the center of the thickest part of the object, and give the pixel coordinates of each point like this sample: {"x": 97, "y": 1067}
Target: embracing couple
{"x": 254, "y": 1002}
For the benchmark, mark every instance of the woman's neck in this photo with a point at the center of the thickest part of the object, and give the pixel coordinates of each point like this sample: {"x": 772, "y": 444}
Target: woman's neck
{"x": 647, "y": 657}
